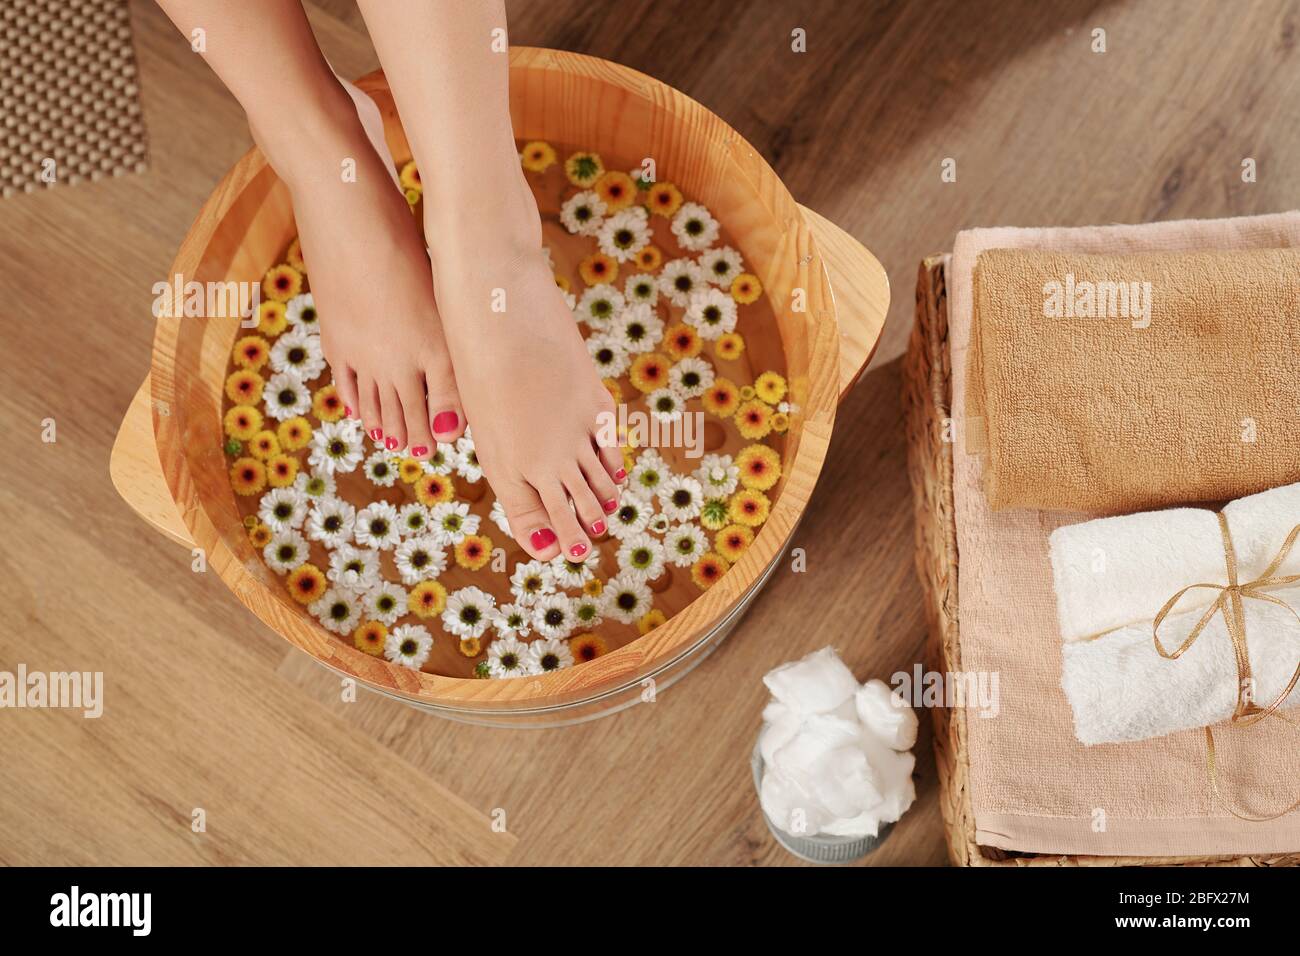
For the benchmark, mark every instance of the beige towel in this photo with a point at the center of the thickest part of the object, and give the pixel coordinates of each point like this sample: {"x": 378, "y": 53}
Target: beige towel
{"x": 1033, "y": 786}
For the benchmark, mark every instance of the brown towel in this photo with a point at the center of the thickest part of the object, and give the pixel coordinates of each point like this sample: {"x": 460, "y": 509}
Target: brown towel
{"x": 1117, "y": 383}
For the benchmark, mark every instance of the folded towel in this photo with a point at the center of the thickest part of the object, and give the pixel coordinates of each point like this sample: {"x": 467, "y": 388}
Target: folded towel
{"x": 1113, "y": 575}
{"x": 1109, "y": 383}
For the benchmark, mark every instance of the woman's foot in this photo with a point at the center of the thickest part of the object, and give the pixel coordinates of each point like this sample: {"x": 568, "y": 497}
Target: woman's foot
{"x": 370, "y": 276}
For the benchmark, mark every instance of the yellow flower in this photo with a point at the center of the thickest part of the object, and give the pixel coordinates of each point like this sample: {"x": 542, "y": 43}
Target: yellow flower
{"x": 370, "y": 637}
{"x": 747, "y": 393}
{"x": 714, "y": 515}
{"x": 649, "y": 621}
{"x": 427, "y": 599}
{"x": 780, "y": 423}
{"x": 260, "y": 535}
{"x": 474, "y": 551}
{"x": 722, "y": 398}
{"x": 681, "y": 341}
{"x": 753, "y": 419}
{"x": 247, "y": 476}
{"x": 413, "y": 198}
{"x": 264, "y": 444}
{"x": 470, "y": 646}
{"x": 294, "y": 256}
{"x": 537, "y": 156}
{"x": 271, "y": 318}
{"x": 583, "y": 169}
{"x": 749, "y": 507}
{"x": 708, "y": 570}
{"x": 729, "y": 346}
{"x": 586, "y": 647}
{"x": 243, "y": 422}
{"x": 294, "y": 433}
{"x": 649, "y": 371}
{"x": 664, "y": 199}
{"x": 326, "y": 404}
{"x": 251, "y": 352}
{"x": 629, "y": 459}
{"x": 593, "y": 587}
{"x": 616, "y": 190}
{"x": 746, "y": 288}
{"x": 760, "y": 467}
{"x": 281, "y": 470}
{"x": 649, "y": 259}
{"x": 410, "y": 177}
{"x": 281, "y": 283}
{"x": 563, "y": 283}
{"x": 409, "y": 470}
{"x": 245, "y": 387}
{"x": 306, "y": 583}
{"x": 770, "y": 387}
{"x": 732, "y": 541}
{"x": 615, "y": 390}
{"x": 598, "y": 268}
{"x": 434, "y": 489}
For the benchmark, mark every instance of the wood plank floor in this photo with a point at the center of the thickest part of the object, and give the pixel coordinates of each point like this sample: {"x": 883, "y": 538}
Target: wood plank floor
{"x": 206, "y": 708}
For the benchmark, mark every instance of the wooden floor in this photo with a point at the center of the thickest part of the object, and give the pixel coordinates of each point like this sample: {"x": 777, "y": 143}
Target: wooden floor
{"x": 206, "y": 708}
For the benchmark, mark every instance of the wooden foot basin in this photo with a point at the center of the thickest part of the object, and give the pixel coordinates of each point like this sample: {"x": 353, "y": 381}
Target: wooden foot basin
{"x": 169, "y": 465}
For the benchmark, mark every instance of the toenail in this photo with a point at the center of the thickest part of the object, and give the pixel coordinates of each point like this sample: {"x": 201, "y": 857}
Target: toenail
{"x": 376, "y": 433}
{"x": 347, "y": 410}
{"x": 419, "y": 451}
{"x": 542, "y": 539}
{"x": 445, "y": 422}
{"x": 598, "y": 528}
{"x": 390, "y": 443}
{"x": 611, "y": 506}
{"x": 620, "y": 474}
{"x": 578, "y": 550}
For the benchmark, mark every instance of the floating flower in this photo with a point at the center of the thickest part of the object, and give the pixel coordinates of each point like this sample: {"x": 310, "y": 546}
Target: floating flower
{"x": 586, "y": 611}
{"x": 286, "y": 396}
{"x": 732, "y": 541}
{"x": 468, "y": 612}
{"x": 285, "y": 551}
{"x": 694, "y": 228}
{"x": 410, "y": 470}
{"x": 386, "y": 602}
{"x": 370, "y": 637}
{"x": 409, "y": 177}
{"x": 331, "y": 521}
{"x": 377, "y": 526}
{"x": 680, "y": 279}
{"x": 721, "y": 266}
{"x": 553, "y": 616}
{"x": 282, "y": 283}
{"x": 381, "y": 469}
{"x": 583, "y": 169}
{"x": 244, "y": 387}
{"x": 642, "y": 556}
{"x": 337, "y": 610}
{"x": 281, "y": 470}
{"x": 259, "y": 535}
{"x": 722, "y": 398}
{"x": 586, "y": 647}
{"x": 759, "y": 467}
{"x": 247, "y": 476}
{"x": 582, "y": 214}
{"x": 263, "y": 445}
{"x": 718, "y": 475}
{"x": 598, "y": 268}
{"x": 649, "y": 621}
{"x": 780, "y": 423}
{"x": 498, "y": 517}
{"x": 537, "y": 156}
{"x": 684, "y": 544}
{"x": 649, "y": 258}
{"x": 513, "y": 620}
{"x": 681, "y": 497}
{"x": 474, "y": 551}
{"x": 327, "y": 404}
{"x": 729, "y": 346}
{"x": 747, "y": 393}
{"x": 624, "y": 234}
{"x": 568, "y": 573}
{"x": 243, "y": 422}
{"x": 293, "y": 256}
{"x": 639, "y": 328}
{"x": 641, "y": 289}
{"x": 664, "y": 199}
{"x": 649, "y": 372}
{"x": 442, "y": 460}
{"x": 508, "y": 657}
{"x": 450, "y": 521}
{"x": 690, "y": 377}
{"x": 658, "y": 524}
{"x": 409, "y": 645}
{"x": 708, "y": 570}
{"x": 427, "y": 599}
{"x": 665, "y": 405}
{"x": 608, "y": 354}
{"x": 251, "y": 352}
{"x": 770, "y": 387}
{"x": 301, "y": 313}
{"x": 594, "y": 587}
{"x": 471, "y": 647}
{"x": 531, "y": 581}
{"x": 283, "y": 508}
{"x": 749, "y": 507}
{"x": 306, "y": 583}
{"x": 298, "y": 352}
{"x": 434, "y": 489}
{"x": 714, "y": 513}
{"x": 599, "y": 305}
{"x": 712, "y": 313}
{"x": 337, "y": 447}
{"x": 412, "y": 519}
{"x": 549, "y": 655}
{"x": 754, "y": 419}
{"x": 746, "y": 288}
{"x": 467, "y": 465}
{"x": 626, "y": 597}
{"x": 316, "y": 486}
{"x": 649, "y": 472}
{"x": 418, "y": 559}
{"x": 682, "y": 342}
{"x": 617, "y": 191}
{"x": 294, "y": 433}
{"x": 354, "y": 569}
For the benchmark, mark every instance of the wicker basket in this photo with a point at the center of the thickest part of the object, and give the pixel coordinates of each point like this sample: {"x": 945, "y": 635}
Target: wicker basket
{"x": 927, "y": 398}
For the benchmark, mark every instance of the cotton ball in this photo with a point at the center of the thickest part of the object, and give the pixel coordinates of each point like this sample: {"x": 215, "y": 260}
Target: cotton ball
{"x": 780, "y": 728}
{"x": 884, "y": 714}
{"x": 790, "y": 807}
{"x": 894, "y": 772}
{"x": 826, "y": 758}
{"x": 816, "y": 684}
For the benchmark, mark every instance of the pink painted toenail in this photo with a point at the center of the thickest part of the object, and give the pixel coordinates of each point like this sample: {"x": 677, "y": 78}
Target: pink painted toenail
{"x": 542, "y": 539}
{"x": 611, "y": 506}
{"x": 419, "y": 451}
{"x": 347, "y": 410}
{"x": 390, "y": 443}
{"x": 376, "y": 433}
{"x": 578, "y": 550}
{"x": 598, "y": 528}
{"x": 445, "y": 422}
{"x": 620, "y": 474}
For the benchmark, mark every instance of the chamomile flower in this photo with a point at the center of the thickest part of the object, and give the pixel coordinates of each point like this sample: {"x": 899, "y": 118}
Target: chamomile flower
{"x": 247, "y": 476}
{"x": 681, "y": 497}
{"x": 467, "y": 465}
{"x": 608, "y": 354}
{"x": 513, "y": 620}
{"x": 244, "y": 387}
{"x": 684, "y": 543}
{"x": 370, "y": 637}
{"x": 473, "y": 551}
{"x": 624, "y": 234}
{"x": 642, "y": 556}
{"x": 599, "y": 306}
{"x": 649, "y": 473}
{"x": 338, "y": 610}
{"x": 553, "y": 616}
{"x": 770, "y": 387}
{"x": 658, "y": 524}
{"x": 294, "y": 433}
{"x": 617, "y": 190}
{"x": 749, "y": 507}
{"x": 570, "y": 573}
{"x": 381, "y": 469}
{"x": 649, "y": 372}
{"x": 427, "y": 599}
{"x": 682, "y": 342}
{"x": 409, "y": 645}
{"x": 722, "y": 398}
{"x": 413, "y": 519}
{"x": 626, "y": 597}
{"x": 664, "y": 199}
{"x": 694, "y": 228}
{"x": 410, "y": 469}
{"x": 754, "y": 419}
{"x": 641, "y": 289}
{"x": 732, "y": 541}
{"x": 450, "y": 521}
{"x": 665, "y": 405}
{"x": 729, "y": 346}
{"x": 718, "y": 475}
{"x": 251, "y": 352}
{"x": 386, "y": 602}
{"x": 649, "y": 259}
{"x": 283, "y": 508}
{"x": 298, "y": 352}
{"x": 281, "y": 470}
{"x": 498, "y": 516}
{"x": 418, "y": 559}
{"x": 243, "y": 422}
{"x": 508, "y": 657}
{"x": 301, "y": 313}
{"x": 746, "y": 288}
{"x": 586, "y": 647}
{"x": 690, "y": 377}
{"x": 468, "y": 612}
{"x": 377, "y": 526}
{"x": 331, "y": 521}
{"x": 305, "y": 583}
{"x": 264, "y": 445}
{"x": 327, "y": 404}
{"x": 270, "y": 318}
{"x": 639, "y": 328}
{"x": 711, "y": 312}
{"x": 285, "y": 551}
{"x": 631, "y": 516}
{"x": 549, "y": 655}
{"x": 537, "y": 156}
{"x": 281, "y": 283}
{"x": 583, "y": 213}
{"x": 531, "y": 581}
{"x": 433, "y": 489}
{"x": 354, "y": 569}
{"x": 722, "y": 265}
{"x": 317, "y": 485}
{"x": 708, "y": 570}
{"x": 680, "y": 279}
{"x": 285, "y": 396}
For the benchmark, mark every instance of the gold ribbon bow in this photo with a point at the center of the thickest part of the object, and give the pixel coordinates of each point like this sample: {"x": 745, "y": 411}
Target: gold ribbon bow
{"x": 1229, "y": 603}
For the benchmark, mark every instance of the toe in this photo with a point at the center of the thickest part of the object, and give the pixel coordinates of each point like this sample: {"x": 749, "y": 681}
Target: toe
{"x": 418, "y": 437}
{"x": 586, "y": 502}
{"x": 345, "y": 380}
{"x": 393, "y": 421}
{"x": 611, "y": 459}
{"x": 446, "y": 417}
{"x": 528, "y": 519}
{"x": 368, "y": 407}
{"x": 573, "y": 540}
{"x": 599, "y": 481}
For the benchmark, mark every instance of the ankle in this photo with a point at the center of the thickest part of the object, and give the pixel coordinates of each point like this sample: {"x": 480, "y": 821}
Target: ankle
{"x": 309, "y": 144}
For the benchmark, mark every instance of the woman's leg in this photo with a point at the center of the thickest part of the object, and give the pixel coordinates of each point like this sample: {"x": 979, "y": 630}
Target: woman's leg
{"x": 532, "y": 394}
{"x": 380, "y": 328}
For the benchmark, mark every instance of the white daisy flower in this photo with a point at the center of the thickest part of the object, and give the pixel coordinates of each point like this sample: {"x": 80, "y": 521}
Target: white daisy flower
{"x": 631, "y": 516}
{"x": 337, "y": 447}
{"x": 553, "y": 616}
{"x": 583, "y": 213}
{"x": 413, "y": 519}
{"x": 443, "y": 460}
{"x": 691, "y": 377}
{"x": 626, "y": 598}
{"x": 408, "y": 645}
{"x": 684, "y": 544}
{"x": 467, "y": 465}
{"x": 512, "y": 620}
{"x": 599, "y": 305}
{"x": 717, "y": 475}
{"x": 354, "y": 569}
{"x": 338, "y": 610}
{"x": 381, "y": 469}
{"x": 331, "y": 521}
{"x": 508, "y": 657}
{"x": 665, "y": 405}
{"x": 419, "y": 558}
{"x": 469, "y": 612}
{"x": 283, "y": 508}
{"x": 639, "y": 329}
{"x": 681, "y": 497}
{"x": 694, "y": 228}
{"x": 587, "y": 611}
{"x": 679, "y": 279}
{"x": 712, "y": 313}
{"x": 608, "y": 354}
{"x": 722, "y": 265}
{"x": 649, "y": 472}
{"x": 299, "y": 352}
{"x": 285, "y": 396}
{"x": 659, "y": 524}
{"x": 641, "y": 289}
{"x": 625, "y": 233}
{"x": 549, "y": 655}
{"x": 450, "y": 521}
{"x": 285, "y": 551}
{"x": 316, "y": 485}
{"x": 574, "y": 574}
{"x": 531, "y": 580}
{"x": 385, "y": 602}
{"x": 498, "y": 516}
{"x": 641, "y": 555}
{"x": 376, "y": 526}
{"x": 570, "y": 300}
{"x": 301, "y": 313}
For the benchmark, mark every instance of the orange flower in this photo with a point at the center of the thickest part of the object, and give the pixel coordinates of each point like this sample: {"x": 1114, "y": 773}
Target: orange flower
{"x": 410, "y": 177}
{"x": 749, "y": 507}
{"x": 682, "y": 341}
{"x": 470, "y": 646}
{"x": 251, "y": 352}
{"x": 260, "y": 535}
{"x": 563, "y": 283}
{"x": 729, "y": 346}
{"x": 247, "y": 476}
{"x": 615, "y": 390}
{"x": 649, "y": 258}
{"x": 664, "y": 199}
{"x": 760, "y": 467}
{"x": 326, "y": 404}
{"x": 271, "y": 318}
{"x": 649, "y": 371}
{"x": 753, "y": 419}
{"x": 722, "y": 398}
{"x": 434, "y": 489}
{"x": 708, "y": 570}
{"x": 281, "y": 470}
{"x": 306, "y": 583}
{"x": 243, "y": 422}
{"x": 282, "y": 283}
{"x": 427, "y": 599}
{"x": 732, "y": 541}
{"x": 370, "y": 637}
{"x": 474, "y": 551}
{"x": 587, "y": 647}
{"x": 263, "y": 445}
{"x": 294, "y": 433}
{"x": 649, "y": 621}
{"x": 598, "y": 268}
{"x": 294, "y": 256}
{"x": 410, "y": 470}
{"x": 245, "y": 387}
{"x": 537, "y": 156}
{"x": 616, "y": 190}
{"x": 746, "y": 288}
{"x": 770, "y": 387}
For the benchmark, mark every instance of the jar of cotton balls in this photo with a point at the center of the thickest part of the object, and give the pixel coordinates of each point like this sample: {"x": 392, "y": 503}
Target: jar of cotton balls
{"x": 833, "y": 763}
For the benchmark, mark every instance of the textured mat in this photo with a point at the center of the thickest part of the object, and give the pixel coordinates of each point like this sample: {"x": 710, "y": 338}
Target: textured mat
{"x": 69, "y": 94}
